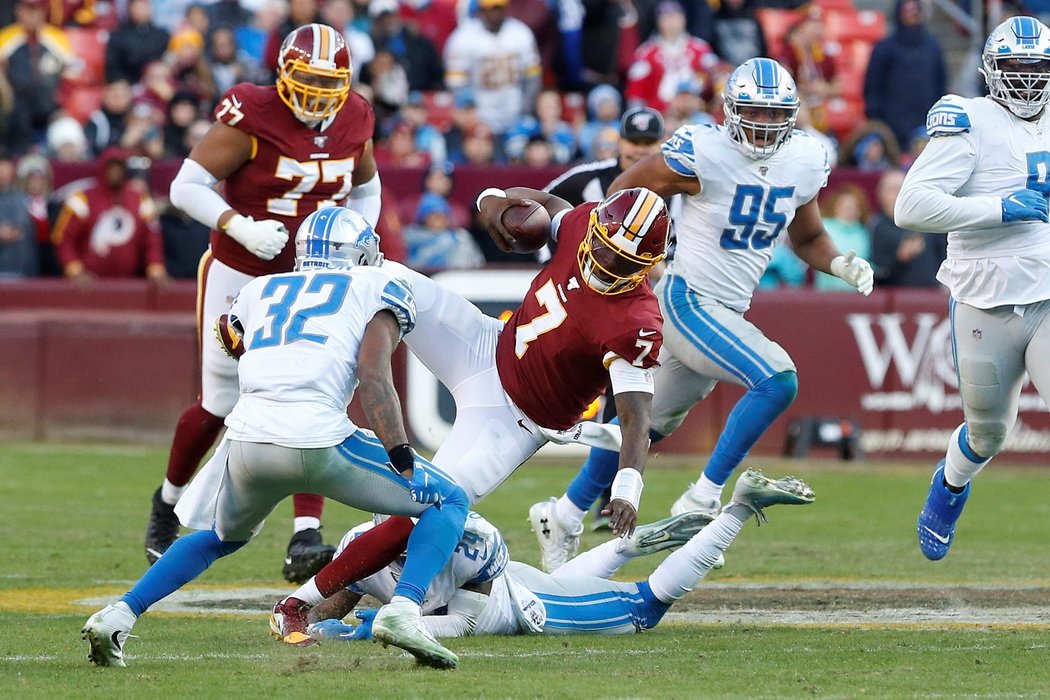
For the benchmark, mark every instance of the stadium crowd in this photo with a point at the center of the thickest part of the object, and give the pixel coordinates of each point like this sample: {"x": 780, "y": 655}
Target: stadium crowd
{"x": 477, "y": 83}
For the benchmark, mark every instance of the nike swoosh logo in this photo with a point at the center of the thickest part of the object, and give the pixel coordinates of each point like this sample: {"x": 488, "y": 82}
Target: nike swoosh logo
{"x": 940, "y": 538}
{"x": 644, "y": 333}
{"x": 115, "y": 638}
{"x": 1015, "y": 200}
{"x": 521, "y": 424}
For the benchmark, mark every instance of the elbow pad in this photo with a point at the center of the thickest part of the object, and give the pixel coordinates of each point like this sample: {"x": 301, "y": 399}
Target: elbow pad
{"x": 626, "y": 377}
{"x": 192, "y": 192}
{"x": 367, "y": 199}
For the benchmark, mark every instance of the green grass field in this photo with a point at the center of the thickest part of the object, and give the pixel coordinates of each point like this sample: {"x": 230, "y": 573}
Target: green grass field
{"x": 828, "y": 600}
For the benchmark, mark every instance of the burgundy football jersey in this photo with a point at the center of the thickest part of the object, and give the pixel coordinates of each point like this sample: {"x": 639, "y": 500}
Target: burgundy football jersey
{"x": 552, "y": 355}
{"x": 294, "y": 169}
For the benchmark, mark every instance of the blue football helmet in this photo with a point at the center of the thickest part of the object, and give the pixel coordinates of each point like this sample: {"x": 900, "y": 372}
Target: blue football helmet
{"x": 764, "y": 83}
{"x": 1016, "y": 65}
{"x": 336, "y": 238}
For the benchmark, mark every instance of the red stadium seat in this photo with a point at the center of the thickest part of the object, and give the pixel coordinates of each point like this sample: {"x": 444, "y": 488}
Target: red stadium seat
{"x": 775, "y": 25}
{"x": 834, "y": 4}
{"x": 850, "y": 25}
{"x": 81, "y": 100}
{"x": 843, "y": 116}
{"x": 852, "y": 64}
{"x": 439, "y": 108}
{"x": 89, "y": 44}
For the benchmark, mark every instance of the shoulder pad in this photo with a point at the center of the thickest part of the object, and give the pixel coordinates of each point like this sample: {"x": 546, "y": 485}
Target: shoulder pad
{"x": 948, "y": 117}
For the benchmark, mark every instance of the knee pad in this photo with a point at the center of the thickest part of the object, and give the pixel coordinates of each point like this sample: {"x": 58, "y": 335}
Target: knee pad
{"x": 781, "y": 388}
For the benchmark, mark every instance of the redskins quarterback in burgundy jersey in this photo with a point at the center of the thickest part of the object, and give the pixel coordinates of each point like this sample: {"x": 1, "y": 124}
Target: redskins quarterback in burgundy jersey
{"x": 282, "y": 152}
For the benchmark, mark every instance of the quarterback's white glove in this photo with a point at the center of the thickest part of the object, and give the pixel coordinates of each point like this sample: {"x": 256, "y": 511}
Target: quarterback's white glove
{"x": 856, "y": 271}
{"x": 263, "y": 239}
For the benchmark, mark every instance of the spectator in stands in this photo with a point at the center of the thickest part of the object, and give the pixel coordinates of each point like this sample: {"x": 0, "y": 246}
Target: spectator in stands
{"x": 699, "y": 19}
{"x": 401, "y": 148}
{"x": 185, "y": 240}
{"x": 433, "y": 19}
{"x": 539, "y": 152}
{"x": 228, "y": 64}
{"x": 110, "y": 229}
{"x": 413, "y": 51}
{"x": 606, "y": 145}
{"x": 464, "y": 117}
{"x": 603, "y": 109}
{"x": 919, "y": 138}
{"x": 429, "y": 139}
{"x": 785, "y": 270}
{"x": 871, "y": 146}
{"x": 902, "y": 258}
{"x": 670, "y": 57}
{"x": 687, "y": 107}
{"x": 34, "y": 179}
{"x": 17, "y": 235}
{"x": 847, "y": 211}
{"x": 547, "y": 124}
{"x": 300, "y": 12}
{"x": 66, "y": 142}
{"x": 227, "y": 13}
{"x": 134, "y": 44}
{"x": 434, "y": 242}
{"x": 144, "y": 132}
{"x": 190, "y": 68}
{"x": 106, "y": 124}
{"x": 804, "y": 122}
{"x": 906, "y": 73}
{"x": 33, "y": 57}
{"x": 737, "y": 34}
{"x": 253, "y": 37}
{"x": 158, "y": 85}
{"x": 496, "y": 57}
{"x": 811, "y": 60}
{"x": 183, "y": 111}
{"x": 340, "y": 15}
{"x": 601, "y": 39}
{"x": 389, "y": 84}
{"x": 479, "y": 145}
{"x": 170, "y": 15}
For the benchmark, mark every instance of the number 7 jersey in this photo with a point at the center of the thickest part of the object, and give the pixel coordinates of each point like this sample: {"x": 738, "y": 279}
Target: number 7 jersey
{"x": 554, "y": 352}
{"x": 726, "y": 234}
{"x": 293, "y": 171}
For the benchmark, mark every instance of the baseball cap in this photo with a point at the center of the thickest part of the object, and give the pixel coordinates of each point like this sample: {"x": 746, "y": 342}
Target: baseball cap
{"x": 464, "y": 98}
{"x": 642, "y": 124}
{"x": 114, "y": 153}
{"x": 431, "y": 203}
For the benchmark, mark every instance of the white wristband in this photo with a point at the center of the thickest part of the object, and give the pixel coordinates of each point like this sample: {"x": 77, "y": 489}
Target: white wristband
{"x": 627, "y": 486}
{"x": 490, "y": 192}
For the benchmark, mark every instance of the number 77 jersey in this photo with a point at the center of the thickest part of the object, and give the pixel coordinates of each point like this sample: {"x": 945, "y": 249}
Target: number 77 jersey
{"x": 293, "y": 170}
{"x": 727, "y": 233}
{"x": 553, "y": 354}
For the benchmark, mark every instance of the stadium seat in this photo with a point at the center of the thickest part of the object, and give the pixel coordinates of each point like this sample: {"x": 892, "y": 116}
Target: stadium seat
{"x": 843, "y": 116}
{"x": 439, "y": 108}
{"x": 850, "y": 25}
{"x": 81, "y": 100}
{"x": 89, "y": 44}
{"x": 852, "y": 64}
{"x": 775, "y": 24}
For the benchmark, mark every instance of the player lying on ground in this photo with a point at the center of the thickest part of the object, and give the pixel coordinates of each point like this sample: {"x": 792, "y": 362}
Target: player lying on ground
{"x": 480, "y": 596}
{"x": 305, "y": 340}
{"x": 589, "y": 316}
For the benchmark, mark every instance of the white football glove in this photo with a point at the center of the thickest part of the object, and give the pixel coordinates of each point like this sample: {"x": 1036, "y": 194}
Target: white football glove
{"x": 263, "y": 239}
{"x": 856, "y": 271}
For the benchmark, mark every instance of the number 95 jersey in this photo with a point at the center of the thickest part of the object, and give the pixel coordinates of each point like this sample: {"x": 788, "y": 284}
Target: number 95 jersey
{"x": 293, "y": 171}
{"x": 726, "y": 234}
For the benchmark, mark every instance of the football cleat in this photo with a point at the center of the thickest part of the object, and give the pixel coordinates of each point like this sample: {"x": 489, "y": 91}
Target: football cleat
{"x": 162, "y": 529}
{"x": 664, "y": 534}
{"x": 307, "y": 554}
{"x": 557, "y": 544}
{"x": 689, "y": 503}
{"x": 756, "y": 491}
{"x": 106, "y": 631}
{"x": 939, "y": 515}
{"x": 288, "y": 622}
{"x": 401, "y": 624}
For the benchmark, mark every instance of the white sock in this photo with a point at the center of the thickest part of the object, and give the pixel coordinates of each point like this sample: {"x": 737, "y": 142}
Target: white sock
{"x": 958, "y": 468}
{"x": 308, "y": 593}
{"x": 305, "y": 522}
{"x": 602, "y": 561}
{"x": 170, "y": 493}
{"x": 683, "y": 569}
{"x": 569, "y": 514}
{"x": 705, "y": 489}
{"x": 126, "y": 608}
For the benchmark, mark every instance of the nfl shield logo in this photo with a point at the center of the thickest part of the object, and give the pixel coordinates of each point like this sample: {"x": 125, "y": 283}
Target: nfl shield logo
{"x": 320, "y": 141}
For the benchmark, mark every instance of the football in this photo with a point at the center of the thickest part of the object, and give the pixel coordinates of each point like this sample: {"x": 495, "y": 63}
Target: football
{"x": 531, "y": 225}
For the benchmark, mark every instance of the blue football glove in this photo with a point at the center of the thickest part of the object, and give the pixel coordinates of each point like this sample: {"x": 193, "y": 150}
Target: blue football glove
{"x": 1024, "y": 205}
{"x": 339, "y": 631}
{"x": 424, "y": 487}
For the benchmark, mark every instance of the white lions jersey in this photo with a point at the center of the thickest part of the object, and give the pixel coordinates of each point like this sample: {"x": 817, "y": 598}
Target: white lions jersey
{"x": 494, "y": 66}
{"x": 302, "y": 335}
{"x": 480, "y": 556}
{"x": 980, "y": 152}
{"x": 726, "y": 234}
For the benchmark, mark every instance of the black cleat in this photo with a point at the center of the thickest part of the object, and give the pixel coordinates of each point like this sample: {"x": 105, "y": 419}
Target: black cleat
{"x": 307, "y": 554}
{"x": 162, "y": 529}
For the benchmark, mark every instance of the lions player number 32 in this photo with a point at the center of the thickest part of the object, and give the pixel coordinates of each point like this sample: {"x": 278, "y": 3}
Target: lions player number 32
{"x": 286, "y": 327}
{"x": 753, "y": 205}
